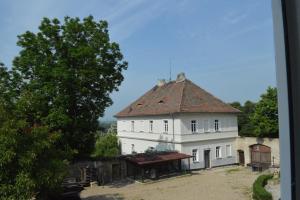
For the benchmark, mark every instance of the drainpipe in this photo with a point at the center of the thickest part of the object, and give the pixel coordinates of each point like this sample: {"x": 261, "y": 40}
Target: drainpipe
{"x": 173, "y": 130}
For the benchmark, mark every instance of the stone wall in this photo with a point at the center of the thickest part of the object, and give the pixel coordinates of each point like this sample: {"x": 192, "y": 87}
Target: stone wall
{"x": 243, "y": 143}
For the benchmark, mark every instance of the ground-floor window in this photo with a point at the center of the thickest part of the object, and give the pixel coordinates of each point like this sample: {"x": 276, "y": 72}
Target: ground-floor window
{"x": 218, "y": 152}
{"x": 195, "y": 155}
{"x": 228, "y": 150}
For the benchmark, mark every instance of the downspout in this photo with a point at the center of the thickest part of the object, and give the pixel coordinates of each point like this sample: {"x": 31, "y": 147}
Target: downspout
{"x": 171, "y": 114}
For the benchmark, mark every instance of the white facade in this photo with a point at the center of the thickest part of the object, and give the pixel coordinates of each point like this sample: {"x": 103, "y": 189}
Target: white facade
{"x": 188, "y": 133}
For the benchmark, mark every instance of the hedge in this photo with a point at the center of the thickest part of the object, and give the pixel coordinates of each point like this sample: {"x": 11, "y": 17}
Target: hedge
{"x": 259, "y": 192}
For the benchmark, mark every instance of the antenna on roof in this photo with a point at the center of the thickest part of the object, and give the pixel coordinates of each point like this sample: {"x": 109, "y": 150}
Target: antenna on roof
{"x": 170, "y": 62}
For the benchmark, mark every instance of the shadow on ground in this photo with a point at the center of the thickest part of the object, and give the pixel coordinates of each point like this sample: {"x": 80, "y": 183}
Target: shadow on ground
{"x": 104, "y": 197}
{"x": 122, "y": 183}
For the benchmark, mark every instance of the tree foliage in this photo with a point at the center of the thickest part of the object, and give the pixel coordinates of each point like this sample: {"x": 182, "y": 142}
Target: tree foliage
{"x": 69, "y": 70}
{"x": 259, "y": 119}
{"x": 245, "y": 126}
{"x": 51, "y": 100}
{"x": 265, "y": 117}
{"x": 107, "y": 145}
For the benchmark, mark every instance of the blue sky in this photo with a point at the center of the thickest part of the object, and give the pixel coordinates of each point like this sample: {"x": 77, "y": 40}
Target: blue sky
{"x": 226, "y": 47}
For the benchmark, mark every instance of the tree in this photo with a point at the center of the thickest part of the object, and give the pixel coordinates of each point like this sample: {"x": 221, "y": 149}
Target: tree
{"x": 107, "y": 146}
{"x": 245, "y": 126}
{"x": 68, "y": 71}
{"x": 265, "y": 116}
{"x": 50, "y": 103}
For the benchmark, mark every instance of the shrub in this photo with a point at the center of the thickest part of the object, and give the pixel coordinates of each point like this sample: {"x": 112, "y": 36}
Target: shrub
{"x": 259, "y": 192}
{"x": 106, "y": 146}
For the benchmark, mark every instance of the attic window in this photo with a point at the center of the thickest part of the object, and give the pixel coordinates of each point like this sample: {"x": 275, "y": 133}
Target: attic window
{"x": 139, "y": 104}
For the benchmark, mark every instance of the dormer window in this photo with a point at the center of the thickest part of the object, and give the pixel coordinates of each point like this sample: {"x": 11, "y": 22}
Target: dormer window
{"x": 161, "y": 101}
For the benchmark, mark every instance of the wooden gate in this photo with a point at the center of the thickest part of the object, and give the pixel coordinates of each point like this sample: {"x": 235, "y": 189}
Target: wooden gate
{"x": 260, "y": 155}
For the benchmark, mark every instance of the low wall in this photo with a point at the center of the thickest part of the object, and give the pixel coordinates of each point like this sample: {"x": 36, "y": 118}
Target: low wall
{"x": 243, "y": 143}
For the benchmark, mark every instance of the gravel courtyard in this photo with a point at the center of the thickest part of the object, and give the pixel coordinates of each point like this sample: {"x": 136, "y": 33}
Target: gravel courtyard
{"x": 226, "y": 183}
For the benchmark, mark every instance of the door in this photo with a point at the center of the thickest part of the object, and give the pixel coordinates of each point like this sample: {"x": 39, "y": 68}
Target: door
{"x": 206, "y": 158}
{"x": 241, "y": 157}
{"x": 116, "y": 172}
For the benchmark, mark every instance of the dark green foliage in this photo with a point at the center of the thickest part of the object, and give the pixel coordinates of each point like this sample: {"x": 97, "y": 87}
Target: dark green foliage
{"x": 246, "y": 128}
{"x": 106, "y": 146}
{"x": 30, "y": 164}
{"x": 50, "y": 103}
{"x": 265, "y": 117}
{"x": 259, "y": 192}
{"x": 259, "y": 119}
{"x": 69, "y": 70}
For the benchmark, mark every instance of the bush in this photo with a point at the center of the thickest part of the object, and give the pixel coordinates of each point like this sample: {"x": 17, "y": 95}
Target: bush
{"x": 259, "y": 192}
{"x": 106, "y": 146}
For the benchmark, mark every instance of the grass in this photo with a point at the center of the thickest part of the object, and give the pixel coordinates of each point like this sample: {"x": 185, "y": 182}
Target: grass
{"x": 229, "y": 171}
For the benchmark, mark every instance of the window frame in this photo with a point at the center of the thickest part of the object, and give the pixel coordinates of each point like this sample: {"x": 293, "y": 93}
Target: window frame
{"x": 218, "y": 152}
{"x": 166, "y": 126}
{"x": 195, "y": 158}
{"x": 228, "y": 154}
{"x": 132, "y": 126}
{"x": 217, "y": 125}
{"x": 193, "y": 126}
{"x": 151, "y": 126}
{"x": 206, "y": 122}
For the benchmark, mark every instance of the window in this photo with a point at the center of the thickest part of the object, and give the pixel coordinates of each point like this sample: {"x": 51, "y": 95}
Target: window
{"x": 166, "y": 126}
{"x": 218, "y": 152}
{"x": 216, "y": 125}
{"x": 193, "y": 126}
{"x": 195, "y": 155}
{"x": 132, "y": 148}
{"x": 228, "y": 150}
{"x": 151, "y": 126}
{"x": 206, "y": 126}
{"x": 132, "y": 126}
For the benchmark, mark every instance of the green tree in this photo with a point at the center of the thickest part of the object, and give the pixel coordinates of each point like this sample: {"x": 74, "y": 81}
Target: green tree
{"x": 68, "y": 71}
{"x": 265, "y": 117}
{"x": 107, "y": 145}
{"x": 245, "y": 126}
{"x": 50, "y": 103}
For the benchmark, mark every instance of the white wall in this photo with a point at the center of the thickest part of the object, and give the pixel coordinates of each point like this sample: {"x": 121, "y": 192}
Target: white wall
{"x": 182, "y": 136}
{"x": 227, "y": 122}
{"x": 141, "y": 145}
{"x": 187, "y": 148}
{"x": 180, "y": 122}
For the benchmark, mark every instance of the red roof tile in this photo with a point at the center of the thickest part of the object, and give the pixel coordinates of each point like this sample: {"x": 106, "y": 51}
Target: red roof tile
{"x": 144, "y": 159}
{"x": 176, "y": 97}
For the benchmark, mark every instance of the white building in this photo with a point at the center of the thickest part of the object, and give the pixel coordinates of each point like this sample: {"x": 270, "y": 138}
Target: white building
{"x": 181, "y": 116}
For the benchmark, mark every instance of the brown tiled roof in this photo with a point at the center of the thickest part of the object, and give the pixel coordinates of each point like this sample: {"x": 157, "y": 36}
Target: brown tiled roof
{"x": 176, "y": 97}
{"x": 158, "y": 157}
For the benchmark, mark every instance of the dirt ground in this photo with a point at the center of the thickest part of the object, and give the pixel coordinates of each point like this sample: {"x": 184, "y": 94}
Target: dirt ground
{"x": 226, "y": 183}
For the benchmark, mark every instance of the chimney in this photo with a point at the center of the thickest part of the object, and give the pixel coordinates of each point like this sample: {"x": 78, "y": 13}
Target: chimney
{"x": 161, "y": 82}
{"x": 180, "y": 77}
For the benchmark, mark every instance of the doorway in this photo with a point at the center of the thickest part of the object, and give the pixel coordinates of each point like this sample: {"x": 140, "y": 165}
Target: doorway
{"x": 241, "y": 157}
{"x": 207, "y": 158}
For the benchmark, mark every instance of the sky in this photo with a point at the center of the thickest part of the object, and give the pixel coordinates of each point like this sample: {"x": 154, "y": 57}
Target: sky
{"x": 226, "y": 47}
